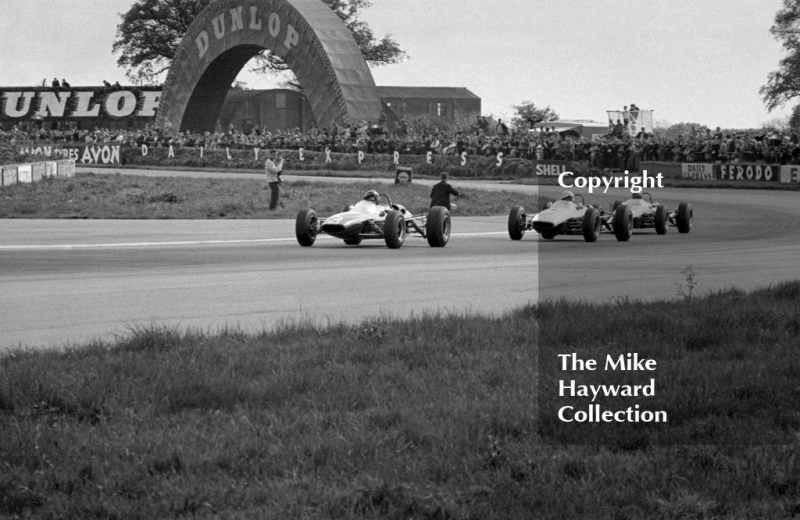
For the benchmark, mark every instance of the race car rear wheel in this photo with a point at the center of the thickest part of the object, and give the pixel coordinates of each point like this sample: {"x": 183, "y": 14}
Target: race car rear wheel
{"x": 662, "y": 220}
{"x": 394, "y": 229}
{"x": 352, "y": 241}
{"x": 438, "y": 226}
{"x": 306, "y": 227}
{"x": 623, "y": 223}
{"x": 684, "y": 217}
{"x": 591, "y": 224}
{"x": 616, "y": 205}
{"x": 516, "y": 223}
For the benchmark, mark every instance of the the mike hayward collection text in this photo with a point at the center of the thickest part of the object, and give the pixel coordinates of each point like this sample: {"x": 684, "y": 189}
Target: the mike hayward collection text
{"x": 594, "y": 412}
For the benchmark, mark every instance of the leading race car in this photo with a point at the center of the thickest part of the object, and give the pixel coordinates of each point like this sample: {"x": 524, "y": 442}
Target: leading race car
{"x": 372, "y": 219}
{"x": 649, "y": 214}
{"x": 565, "y": 217}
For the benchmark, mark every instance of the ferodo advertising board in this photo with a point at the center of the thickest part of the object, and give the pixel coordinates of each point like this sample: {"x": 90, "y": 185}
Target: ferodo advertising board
{"x": 99, "y": 153}
{"x": 749, "y": 172}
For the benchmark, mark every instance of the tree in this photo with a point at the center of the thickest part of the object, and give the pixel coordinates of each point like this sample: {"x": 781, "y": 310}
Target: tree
{"x": 784, "y": 83}
{"x": 794, "y": 119}
{"x": 526, "y": 113}
{"x": 151, "y": 31}
{"x": 781, "y": 124}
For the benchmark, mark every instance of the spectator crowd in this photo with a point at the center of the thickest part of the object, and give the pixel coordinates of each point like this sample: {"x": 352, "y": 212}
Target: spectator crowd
{"x": 611, "y": 150}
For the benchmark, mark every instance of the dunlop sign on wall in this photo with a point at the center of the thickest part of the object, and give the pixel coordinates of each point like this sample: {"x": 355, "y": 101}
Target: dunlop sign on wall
{"x": 18, "y": 104}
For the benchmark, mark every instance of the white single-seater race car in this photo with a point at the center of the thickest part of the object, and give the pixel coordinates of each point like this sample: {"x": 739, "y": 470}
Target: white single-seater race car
{"x": 565, "y": 217}
{"x": 649, "y": 214}
{"x": 372, "y": 219}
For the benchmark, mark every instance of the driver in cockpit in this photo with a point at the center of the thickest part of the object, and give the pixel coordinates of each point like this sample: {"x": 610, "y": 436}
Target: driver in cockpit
{"x": 372, "y": 196}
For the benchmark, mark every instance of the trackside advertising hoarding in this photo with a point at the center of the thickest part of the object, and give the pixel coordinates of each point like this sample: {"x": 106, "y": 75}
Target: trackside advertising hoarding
{"x": 78, "y": 103}
{"x": 668, "y": 170}
{"x": 551, "y": 168}
{"x": 697, "y": 171}
{"x": 100, "y": 153}
{"x": 33, "y": 172}
{"x": 748, "y": 172}
{"x": 790, "y": 174}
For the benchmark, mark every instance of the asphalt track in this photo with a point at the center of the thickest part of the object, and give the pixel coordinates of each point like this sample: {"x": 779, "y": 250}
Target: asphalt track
{"x": 69, "y": 282}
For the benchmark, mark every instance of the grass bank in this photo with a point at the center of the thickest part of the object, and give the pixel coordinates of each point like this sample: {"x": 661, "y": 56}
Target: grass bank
{"x": 430, "y": 417}
{"x": 132, "y": 197}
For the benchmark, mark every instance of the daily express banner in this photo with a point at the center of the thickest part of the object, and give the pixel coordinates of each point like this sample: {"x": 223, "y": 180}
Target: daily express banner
{"x": 697, "y": 171}
{"x": 84, "y": 154}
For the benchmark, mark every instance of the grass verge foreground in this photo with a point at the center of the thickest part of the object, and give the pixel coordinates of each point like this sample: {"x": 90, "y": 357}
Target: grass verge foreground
{"x": 89, "y": 195}
{"x": 430, "y": 417}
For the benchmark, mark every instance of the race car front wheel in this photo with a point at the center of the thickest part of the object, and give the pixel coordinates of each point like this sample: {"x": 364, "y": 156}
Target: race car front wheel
{"x": 306, "y": 227}
{"x": 394, "y": 229}
{"x": 623, "y": 223}
{"x": 591, "y": 225}
{"x": 437, "y": 227}
{"x": 662, "y": 220}
{"x": 516, "y": 223}
{"x": 684, "y": 217}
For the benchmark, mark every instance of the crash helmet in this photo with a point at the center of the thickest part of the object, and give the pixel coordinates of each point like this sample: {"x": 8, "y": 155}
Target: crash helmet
{"x": 637, "y": 195}
{"x": 567, "y": 195}
{"x": 372, "y": 195}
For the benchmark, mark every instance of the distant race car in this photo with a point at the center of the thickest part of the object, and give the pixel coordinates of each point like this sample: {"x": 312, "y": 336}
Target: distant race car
{"x": 649, "y": 214}
{"x": 565, "y": 217}
{"x": 371, "y": 219}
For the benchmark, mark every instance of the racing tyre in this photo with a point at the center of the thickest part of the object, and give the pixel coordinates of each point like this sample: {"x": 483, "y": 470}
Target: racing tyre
{"x": 438, "y": 226}
{"x": 394, "y": 229}
{"x": 684, "y": 217}
{"x": 352, "y": 241}
{"x": 516, "y": 223}
{"x": 591, "y": 225}
{"x": 616, "y": 205}
{"x": 306, "y": 227}
{"x": 662, "y": 220}
{"x": 548, "y": 236}
{"x": 623, "y": 223}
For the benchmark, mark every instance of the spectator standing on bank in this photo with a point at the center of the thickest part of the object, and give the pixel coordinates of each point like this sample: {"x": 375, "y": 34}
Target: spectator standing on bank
{"x": 501, "y": 128}
{"x": 64, "y": 83}
{"x": 273, "y": 169}
{"x": 55, "y": 83}
{"x": 440, "y": 194}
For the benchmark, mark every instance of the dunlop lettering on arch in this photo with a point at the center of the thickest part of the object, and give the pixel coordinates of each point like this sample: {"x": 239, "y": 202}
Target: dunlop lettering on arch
{"x": 306, "y": 34}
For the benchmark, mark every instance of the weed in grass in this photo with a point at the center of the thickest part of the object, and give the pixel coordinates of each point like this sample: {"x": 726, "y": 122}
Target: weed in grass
{"x": 691, "y": 283}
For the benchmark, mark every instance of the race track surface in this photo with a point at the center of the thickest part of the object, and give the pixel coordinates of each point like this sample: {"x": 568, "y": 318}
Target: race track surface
{"x": 67, "y": 282}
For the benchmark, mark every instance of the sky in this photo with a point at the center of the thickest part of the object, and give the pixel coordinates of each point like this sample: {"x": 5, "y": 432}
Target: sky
{"x": 690, "y": 61}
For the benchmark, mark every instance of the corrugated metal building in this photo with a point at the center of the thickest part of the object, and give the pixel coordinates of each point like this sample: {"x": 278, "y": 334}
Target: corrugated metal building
{"x": 282, "y": 109}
